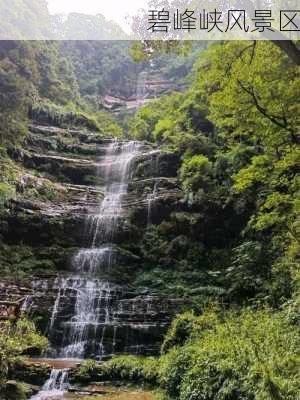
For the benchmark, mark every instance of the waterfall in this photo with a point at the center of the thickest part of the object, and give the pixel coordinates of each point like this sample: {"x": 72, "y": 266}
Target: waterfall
{"x": 55, "y": 386}
{"x": 84, "y": 331}
{"x": 150, "y": 200}
{"x": 58, "y": 380}
{"x": 117, "y": 168}
{"x": 26, "y": 306}
{"x": 141, "y": 90}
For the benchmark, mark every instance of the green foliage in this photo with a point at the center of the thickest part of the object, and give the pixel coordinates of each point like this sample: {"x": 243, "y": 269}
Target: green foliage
{"x": 249, "y": 101}
{"x": 179, "y": 331}
{"x": 254, "y": 174}
{"x": 236, "y": 130}
{"x": 172, "y": 368}
{"x": 19, "y": 262}
{"x": 188, "y": 326}
{"x": 122, "y": 368}
{"x": 32, "y": 16}
{"x": 130, "y": 368}
{"x": 15, "y": 391}
{"x": 15, "y": 340}
{"x": 72, "y": 116}
{"x": 7, "y": 192}
{"x": 247, "y": 271}
{"x": 13, "y": 88}
{"x": 44, "y": 80}
{"x": 252, "y": 355}
{"x": 176, "y": 121}
{"x": 8, "y": 179}
{"x": 102, "y": 67}
{"x": 195, "y": 173}
{"x": 30, "y": 71}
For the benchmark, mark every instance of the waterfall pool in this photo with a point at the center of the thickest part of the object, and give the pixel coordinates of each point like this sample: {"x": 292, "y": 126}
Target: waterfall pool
{"x": 97, "y": 393}
{"x": 121, "y": 395}
{"x": 57, "y": 386}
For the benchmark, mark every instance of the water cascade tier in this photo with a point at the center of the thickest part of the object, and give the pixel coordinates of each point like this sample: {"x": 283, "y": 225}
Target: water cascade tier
{"x": 83, "y": 334}
{"x": 55, "y": 386}
{"x": 90, "y": 309}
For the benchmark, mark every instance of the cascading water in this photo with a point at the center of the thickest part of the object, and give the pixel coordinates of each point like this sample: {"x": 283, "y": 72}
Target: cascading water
{"x": 150, "y": 200}
{"x": 84, "y": 331}
{"x": 55, "y": 386}
{"x": 117, "y": 166}
{"x": 141, "y": 92}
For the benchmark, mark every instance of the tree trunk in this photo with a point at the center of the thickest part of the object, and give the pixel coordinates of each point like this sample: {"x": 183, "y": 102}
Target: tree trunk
{"x": 290, "y": 48}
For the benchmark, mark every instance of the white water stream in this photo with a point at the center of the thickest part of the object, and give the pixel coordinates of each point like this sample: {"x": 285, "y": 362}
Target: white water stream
{"x": 55, "y": 386}
{"x": 93, "y": 295}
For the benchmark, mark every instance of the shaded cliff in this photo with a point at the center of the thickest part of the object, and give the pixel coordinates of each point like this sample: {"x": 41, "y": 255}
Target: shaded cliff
{"x": 60, "y": 176}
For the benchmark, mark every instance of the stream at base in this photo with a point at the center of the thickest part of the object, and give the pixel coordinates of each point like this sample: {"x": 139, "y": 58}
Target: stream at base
{"x": 57, "y": 387}
{"x": 107, "y": 393}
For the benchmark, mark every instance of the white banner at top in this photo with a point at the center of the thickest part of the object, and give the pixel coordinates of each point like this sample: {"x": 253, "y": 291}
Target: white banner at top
{"x": 150, "y": 20}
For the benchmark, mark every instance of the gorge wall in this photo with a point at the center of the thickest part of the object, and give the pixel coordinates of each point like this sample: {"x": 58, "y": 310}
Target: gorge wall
{"x": 73, "y": 232}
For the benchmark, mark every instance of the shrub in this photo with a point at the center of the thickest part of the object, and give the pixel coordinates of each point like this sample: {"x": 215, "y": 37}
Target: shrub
{"x": 179, "y": 331}
{"x": 122, "y": 368}
{"x": 16, "y": 339}
{"x": 187, "y": 326}
{"x": 7, "y": 192}
{"x": 251, "y": 355}
{"x": 196, "y": 173}
{"x": 173, "y": 366}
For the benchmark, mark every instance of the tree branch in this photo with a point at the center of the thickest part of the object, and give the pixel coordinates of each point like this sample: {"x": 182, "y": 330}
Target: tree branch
{"x": 277, "y": 120}
{"x": 286, "y": 45}
{"x": 290, "y": 48}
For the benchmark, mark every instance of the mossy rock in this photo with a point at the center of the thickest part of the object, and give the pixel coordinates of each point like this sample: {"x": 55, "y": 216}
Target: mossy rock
{"x": 19, "y": 261}
{"x": 14, "y": 390}
{"x": 32, "y": 374}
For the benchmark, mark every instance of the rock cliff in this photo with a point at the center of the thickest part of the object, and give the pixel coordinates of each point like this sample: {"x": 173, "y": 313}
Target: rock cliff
{"x": 61, "y": 183}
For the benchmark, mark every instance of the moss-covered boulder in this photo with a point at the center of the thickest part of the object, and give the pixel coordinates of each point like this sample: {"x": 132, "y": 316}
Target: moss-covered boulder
{"x": 30, "y": 372}
{"x": 14, "y": 390}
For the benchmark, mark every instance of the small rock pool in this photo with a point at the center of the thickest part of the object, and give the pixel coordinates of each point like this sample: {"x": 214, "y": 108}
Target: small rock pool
{"x": 57, "y": 387}
{"x": 98, "y": 393}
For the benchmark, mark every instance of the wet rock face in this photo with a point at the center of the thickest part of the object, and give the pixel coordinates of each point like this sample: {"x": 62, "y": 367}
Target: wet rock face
{"x": 52, "y": 204}
{"x": 126, "y": 321}
{"x": 61, "y": 188}
{"x": 73, "y": 170}
{"x": 34, "y": 374}
{"x": 35, "y": 228}
{"x": 89, "y": 202}
{"x": 151, "y": 200}
{"x": 156, "y": 164}
{"x": 13, "y": 390}
{"x": 12, "y": 298}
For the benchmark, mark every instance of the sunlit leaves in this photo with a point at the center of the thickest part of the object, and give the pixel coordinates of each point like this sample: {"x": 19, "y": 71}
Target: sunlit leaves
{"x": 15, "y": 339}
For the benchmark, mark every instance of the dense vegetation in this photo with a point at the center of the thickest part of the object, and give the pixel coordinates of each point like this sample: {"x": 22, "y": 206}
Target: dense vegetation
{"x": 236, "y": 131}
{"x": 64, "y": 83}
{"x": 38, "y": 81}
{"x": 16, "y": 339}
{"x": 231, "y": 355}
